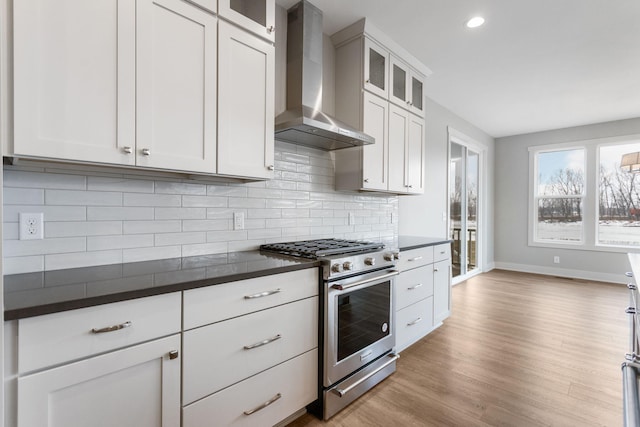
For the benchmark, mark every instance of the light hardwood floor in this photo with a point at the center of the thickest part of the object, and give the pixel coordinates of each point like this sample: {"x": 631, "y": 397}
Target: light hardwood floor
{"x": 518, "y": 350}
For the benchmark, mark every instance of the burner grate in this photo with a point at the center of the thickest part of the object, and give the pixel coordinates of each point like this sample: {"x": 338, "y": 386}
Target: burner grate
{"x": 322, "y": 247}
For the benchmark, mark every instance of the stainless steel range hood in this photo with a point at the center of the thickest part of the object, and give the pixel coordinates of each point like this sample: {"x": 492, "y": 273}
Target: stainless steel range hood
{"x": 304, "y": 123}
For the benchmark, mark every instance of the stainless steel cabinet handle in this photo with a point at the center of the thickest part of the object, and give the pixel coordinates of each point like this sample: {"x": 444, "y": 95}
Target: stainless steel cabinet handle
{"x": 435, "y": 270}
{"x": 418, "y": 258}
{"x": 263, "y": 294}
{"x": 271, "y": 167}
{"x": 341, "y": 392}
{"x": 127, "y": 150}
{"x": 628, "y": 274}
{"x": 443, "y": 252}
{"x": 113, "y": 328}
{"x": 271, "y": 29}
{"x": 264, "y": 405}
{"x": 173, "y": 354}
{"x": 632, "y": 286}
{"x": 630, "y": 310}
{"x": 366, "y": 180}
{"x": 264, "y": 342}
{"x": 410, "y": 288}
{"x": 418, "y": 320}
{"x": 146, "y": 152}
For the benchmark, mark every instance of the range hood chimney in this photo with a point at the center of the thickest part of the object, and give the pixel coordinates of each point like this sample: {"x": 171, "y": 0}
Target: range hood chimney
{"x": 303, "y": 122}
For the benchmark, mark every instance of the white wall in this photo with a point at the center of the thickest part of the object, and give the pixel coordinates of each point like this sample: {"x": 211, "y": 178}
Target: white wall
{"x": 511, "y": 208}
{"x": 422, "y": 215}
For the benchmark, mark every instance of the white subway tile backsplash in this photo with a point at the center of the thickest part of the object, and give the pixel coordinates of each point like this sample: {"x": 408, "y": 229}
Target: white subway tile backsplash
{"x": 167, "y": 239}
{"x": 11, "y": 213}
{"x": 119, "y": 213}
{"x": 180, "y": 213}
{"x": 22, "y": 179}
{"x": 148, "y": 254}
{"x": 93, "y": 218}
{"x": 101, "y": 183}
{"x": 101, "y": 243}
{"x": 141, "y": 227}
{"x": 23, "y": 196}
{"x": 13, "y": 248}
{"x": 204, "y": 248}
{"x": 82, "y": 198}
{"x": 82, "y": 228}
{"x": 204, "y": 201}
{"x": 136, "y": 199}
{"x": 180, "y": 188}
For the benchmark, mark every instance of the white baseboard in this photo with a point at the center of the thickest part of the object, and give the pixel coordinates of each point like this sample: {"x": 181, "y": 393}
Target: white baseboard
{"x": 563, "y": 272}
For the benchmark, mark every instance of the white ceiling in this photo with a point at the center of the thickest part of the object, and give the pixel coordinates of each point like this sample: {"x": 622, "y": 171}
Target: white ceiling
{"x": 535, "y": 64}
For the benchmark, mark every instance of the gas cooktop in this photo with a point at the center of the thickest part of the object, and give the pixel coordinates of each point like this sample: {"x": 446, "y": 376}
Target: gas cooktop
{"x": 322, "y": 247}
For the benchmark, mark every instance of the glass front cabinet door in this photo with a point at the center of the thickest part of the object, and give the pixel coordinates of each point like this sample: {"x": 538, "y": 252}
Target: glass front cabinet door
{"x": 257, "y": 16}
{"x": 376, "y": 66}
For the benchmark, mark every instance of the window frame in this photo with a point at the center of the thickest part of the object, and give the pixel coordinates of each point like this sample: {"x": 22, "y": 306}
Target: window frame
{"x": 590, "y": 203}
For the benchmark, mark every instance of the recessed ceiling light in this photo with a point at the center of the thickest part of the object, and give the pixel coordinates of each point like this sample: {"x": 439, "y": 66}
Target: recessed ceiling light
{"x": 474, "y": 22}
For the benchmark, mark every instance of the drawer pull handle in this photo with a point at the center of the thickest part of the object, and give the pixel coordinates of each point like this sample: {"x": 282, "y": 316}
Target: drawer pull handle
{"x": 443, "y": 252}
{"x": 628, "y": 274}
{"x": 113, "y": 328}
{"x": 410, "y": 288}
{"x": 418, "y": 320}
{"x": 173, "y": 354}
{"x": 264, "y": 405}
{"x": 415, "y": 259}
{"x": 261, "y": 343}
{"x": 263, "y": 294}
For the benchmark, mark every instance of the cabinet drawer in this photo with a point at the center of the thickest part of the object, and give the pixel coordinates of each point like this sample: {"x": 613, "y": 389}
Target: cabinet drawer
{"x": 413, "y": 286}
{"x": 294, "y": 381}
{"x": 413, "y": 322}
{"x": 216, "y": 356}
{"x": 441, "y": 252}
{"x": 415, "y": 258}
{"x": 215, "y": 303}
{"x": 57, "y": 338}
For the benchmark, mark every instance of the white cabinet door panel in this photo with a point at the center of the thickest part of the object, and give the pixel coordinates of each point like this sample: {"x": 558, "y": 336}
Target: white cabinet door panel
{"x": 375, "y": 172}
{"x": 398, "y": 128}
{"x": 441, "y": 290}
{"x": 413, "y": 285}
{"x": 246, "y": 67}
{"x": 135, "y": 387}
{"x": 415, "y": 155}
{"x": 413, "y": 322}
{"x": 74, "y": 79}
{"x": 176, "y": 86}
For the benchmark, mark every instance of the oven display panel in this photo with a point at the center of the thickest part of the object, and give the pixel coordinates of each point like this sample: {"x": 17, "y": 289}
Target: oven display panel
{"x": 363, "y": 318}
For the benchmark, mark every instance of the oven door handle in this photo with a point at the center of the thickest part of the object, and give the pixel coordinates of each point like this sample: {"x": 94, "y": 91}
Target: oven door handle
{"x": 362, "y": 282}
{"x": 342, "y": 391}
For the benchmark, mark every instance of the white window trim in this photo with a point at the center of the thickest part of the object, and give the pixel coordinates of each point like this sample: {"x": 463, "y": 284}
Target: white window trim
{"x": 590, "y": 205}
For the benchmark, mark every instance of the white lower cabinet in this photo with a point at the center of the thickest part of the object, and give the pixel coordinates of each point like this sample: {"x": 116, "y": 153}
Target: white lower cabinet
{"x": 422, "y": 292}
{"x": 262, "y": 400}
{"x": 135, "y": 387}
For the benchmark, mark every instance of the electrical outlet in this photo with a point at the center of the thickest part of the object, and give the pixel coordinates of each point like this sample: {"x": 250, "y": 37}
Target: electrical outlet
{"x": 556, "y": 260}
{"x": 238, "y": 220}
{"x": 31, "y": 226}
{"x": 352, "y": 218}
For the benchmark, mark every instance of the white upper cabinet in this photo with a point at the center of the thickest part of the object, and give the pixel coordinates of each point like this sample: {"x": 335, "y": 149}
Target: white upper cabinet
{"x": 376, "y": 68}
{"x": 257, "y": 16}
{"x": 176, "y": 90}
{"x": 74, "y": 79}
{"x": 246, "y": 66}
{"x": 379, "y": 90}
{"x": 406, "y": 86}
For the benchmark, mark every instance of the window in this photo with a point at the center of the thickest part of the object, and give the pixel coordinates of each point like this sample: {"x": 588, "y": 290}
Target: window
{"x": 619, "y": 197}
{"x": 583, "y": 196}
{"x": 559, "y": 198}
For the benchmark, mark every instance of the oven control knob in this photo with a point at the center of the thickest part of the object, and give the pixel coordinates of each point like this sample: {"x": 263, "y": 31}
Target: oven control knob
{"x": 347, "y": 265}
{"x": 369, "y": 261}
{"x": 336, "y": 268}
{"x": 388, "y": 257}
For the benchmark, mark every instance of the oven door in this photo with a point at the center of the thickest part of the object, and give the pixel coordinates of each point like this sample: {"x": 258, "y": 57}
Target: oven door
{"x": 360, "y": 324}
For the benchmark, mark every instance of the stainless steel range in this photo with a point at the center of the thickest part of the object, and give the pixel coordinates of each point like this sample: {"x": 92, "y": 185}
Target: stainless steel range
{"x": 358, "y": 329}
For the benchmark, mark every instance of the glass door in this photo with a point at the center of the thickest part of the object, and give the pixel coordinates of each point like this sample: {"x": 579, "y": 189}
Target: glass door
{"x": 464, "y": 180}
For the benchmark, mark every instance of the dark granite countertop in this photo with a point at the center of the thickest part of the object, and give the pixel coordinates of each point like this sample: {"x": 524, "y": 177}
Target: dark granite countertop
{"x": 413, "y": 242}
{"x": 45, "y": 292}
